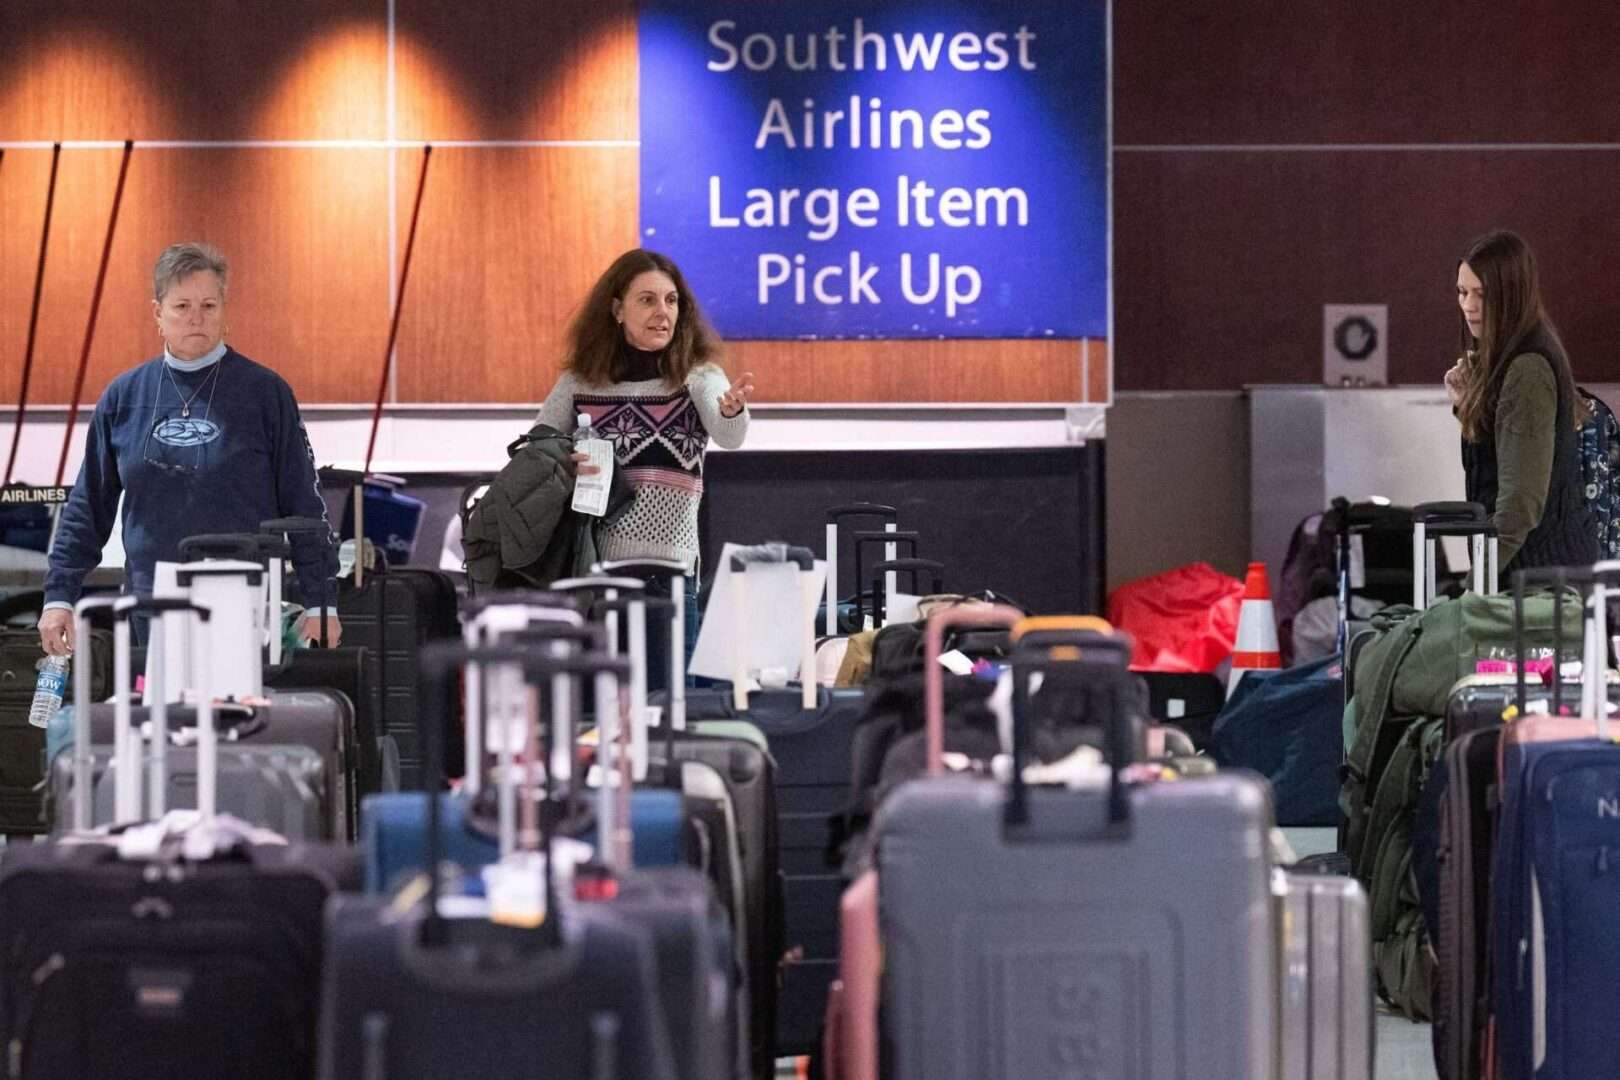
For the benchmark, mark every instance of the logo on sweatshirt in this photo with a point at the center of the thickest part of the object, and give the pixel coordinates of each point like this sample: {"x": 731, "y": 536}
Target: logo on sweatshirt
{"x": 186, "y": 431}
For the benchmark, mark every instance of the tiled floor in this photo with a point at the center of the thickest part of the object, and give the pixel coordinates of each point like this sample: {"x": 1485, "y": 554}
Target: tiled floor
{"x": 1404, "y": 1050}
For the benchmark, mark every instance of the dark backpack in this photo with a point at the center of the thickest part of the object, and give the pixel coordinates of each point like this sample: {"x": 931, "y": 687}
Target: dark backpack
{"x": 1311, "y": 568}
{"x": 1600, "y": 473}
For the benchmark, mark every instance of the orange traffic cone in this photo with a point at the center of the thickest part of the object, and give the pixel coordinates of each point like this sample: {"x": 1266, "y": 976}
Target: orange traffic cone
{"x": 1256, "y": 648}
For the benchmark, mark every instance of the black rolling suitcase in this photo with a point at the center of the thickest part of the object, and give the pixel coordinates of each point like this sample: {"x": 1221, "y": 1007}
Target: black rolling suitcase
{"x": 583, "y": 994}
{"x": 748, "y": 773}
{"x": 171, "y": 964}
{"x": 22, "y": 745}
{"x": 811, "y": 733}
{"x": 392, "y": 615}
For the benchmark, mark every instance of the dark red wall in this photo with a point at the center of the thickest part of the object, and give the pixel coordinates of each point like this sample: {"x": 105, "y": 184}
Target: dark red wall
{"x": 1377, "y": 138}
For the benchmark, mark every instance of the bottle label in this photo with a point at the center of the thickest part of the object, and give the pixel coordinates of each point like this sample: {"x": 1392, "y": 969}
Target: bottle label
{"x": 52, "y": 682}
{"x": 591, "y": 492}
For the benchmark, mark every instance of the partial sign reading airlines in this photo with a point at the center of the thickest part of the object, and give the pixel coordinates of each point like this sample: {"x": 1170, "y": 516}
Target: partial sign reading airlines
{"x": 894, "y": 170}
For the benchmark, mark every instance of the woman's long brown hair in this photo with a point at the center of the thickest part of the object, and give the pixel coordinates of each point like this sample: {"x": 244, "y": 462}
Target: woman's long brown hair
{"x": 1513, "y": 310}
{"x": 595, "y": 338}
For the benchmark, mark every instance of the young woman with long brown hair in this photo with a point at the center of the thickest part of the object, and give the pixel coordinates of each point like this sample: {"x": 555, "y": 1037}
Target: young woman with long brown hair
{"x": 1514, "y": 395}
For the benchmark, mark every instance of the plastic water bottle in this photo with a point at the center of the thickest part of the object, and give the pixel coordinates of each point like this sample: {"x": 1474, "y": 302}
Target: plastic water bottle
{"x": 49, "y": 689}
{"x": 591, "y": 492}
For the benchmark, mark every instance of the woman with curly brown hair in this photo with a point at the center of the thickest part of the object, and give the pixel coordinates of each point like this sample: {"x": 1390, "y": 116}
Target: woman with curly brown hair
{"x": 1514, "y": 394}
{"x": 643, "y": 364}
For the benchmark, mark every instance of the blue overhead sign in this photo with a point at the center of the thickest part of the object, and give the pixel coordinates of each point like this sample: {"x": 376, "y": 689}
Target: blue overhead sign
{"x": 900, "y": 169}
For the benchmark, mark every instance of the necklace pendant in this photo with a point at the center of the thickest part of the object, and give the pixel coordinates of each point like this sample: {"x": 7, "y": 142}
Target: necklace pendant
{"x": 185, "y": 412}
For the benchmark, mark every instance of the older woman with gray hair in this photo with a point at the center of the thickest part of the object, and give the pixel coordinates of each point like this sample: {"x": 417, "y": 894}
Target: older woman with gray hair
{"x": 198, "y": 440}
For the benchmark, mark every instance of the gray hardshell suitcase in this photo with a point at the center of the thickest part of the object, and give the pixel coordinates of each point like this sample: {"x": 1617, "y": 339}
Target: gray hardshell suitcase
{"x": 1325, "y": 1022}
{"x": 253, "y": 738}
{"x": 281, "y": 788}
{"x": 1121, "y": 930}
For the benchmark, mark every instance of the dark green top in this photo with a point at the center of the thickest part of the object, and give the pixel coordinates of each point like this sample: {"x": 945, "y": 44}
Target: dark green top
{"x": 1526, "y": 427}
{"x": 1526, "y": 471}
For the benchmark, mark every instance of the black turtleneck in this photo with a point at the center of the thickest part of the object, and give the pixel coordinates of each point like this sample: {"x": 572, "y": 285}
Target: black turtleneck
{"x": 631, "y": 364}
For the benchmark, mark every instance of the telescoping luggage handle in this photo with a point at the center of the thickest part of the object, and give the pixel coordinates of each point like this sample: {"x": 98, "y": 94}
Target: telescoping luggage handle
{"x": 897, "y": 544}
{"x": 1601, "y": 577}
{"x": 439, "y": 663}
{"x": 610, "y": 586}
{"x": 127, "y": 740}
{"x": 1357, "y": 519}
{"x": 1430, "y": 521}
{"x": 307, "y": 526}
{"x": 1559, "y": 578}
{"x": 490, "y": 620}
{"x": 82, "y": 673}
{"x": 835, "y": 516}
{"x": 806, "y": 563}
{"x": 635, "y": 608}
{"x": 933, "y": 675}
{"x": 677, "y": 571}
{"x": 261, "y": 548}
{"x": 1105, "y": 657}
{"x": 555, "y": 639}
{"x": 893, "y": 568}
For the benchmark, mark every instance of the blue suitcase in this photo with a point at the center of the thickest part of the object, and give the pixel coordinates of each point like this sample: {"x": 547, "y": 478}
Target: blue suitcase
{"x": 1555, "y": 879}
{"x": 393, "y": 832}
{"x": 1556, "y": 887}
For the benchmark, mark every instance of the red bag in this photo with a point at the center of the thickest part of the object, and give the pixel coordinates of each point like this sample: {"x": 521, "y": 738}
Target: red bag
{"x": 1181, "y": 620}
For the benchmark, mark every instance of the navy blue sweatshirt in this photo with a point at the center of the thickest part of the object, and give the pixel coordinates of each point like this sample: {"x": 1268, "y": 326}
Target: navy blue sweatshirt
{"x": 215, "y": 450}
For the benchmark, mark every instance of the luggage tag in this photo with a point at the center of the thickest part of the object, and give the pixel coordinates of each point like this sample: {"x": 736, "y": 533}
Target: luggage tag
{"x": 515, "y": 886}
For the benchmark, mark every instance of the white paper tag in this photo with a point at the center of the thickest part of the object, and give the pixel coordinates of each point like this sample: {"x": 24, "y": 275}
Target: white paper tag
{"x": 956, "y": 662}
{"x": 1358, "y": 562}
{"x": 1175, "y": 708}
{"x": 516, "y": 891}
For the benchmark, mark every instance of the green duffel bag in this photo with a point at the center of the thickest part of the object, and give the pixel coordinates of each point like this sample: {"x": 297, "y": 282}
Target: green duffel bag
{"x": 1411, "y": 667}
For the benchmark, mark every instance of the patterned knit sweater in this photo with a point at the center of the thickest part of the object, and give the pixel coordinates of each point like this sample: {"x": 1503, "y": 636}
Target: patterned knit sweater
{"x": 659, "y": 434}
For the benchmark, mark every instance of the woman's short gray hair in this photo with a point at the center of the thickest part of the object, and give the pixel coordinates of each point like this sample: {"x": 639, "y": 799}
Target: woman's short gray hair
{"x": 180, "y": 261}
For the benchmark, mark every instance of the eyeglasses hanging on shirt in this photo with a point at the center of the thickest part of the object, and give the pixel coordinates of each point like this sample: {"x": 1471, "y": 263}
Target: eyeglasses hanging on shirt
{"x": 183, "y": 431}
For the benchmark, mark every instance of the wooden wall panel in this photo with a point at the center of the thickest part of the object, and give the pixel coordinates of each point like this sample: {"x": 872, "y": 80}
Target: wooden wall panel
{"x": 105, "y": 69}
{"x": 565, "y": 69}
{"x": 511, "y": 238}
{"x": 1282, "y": 71}
{"x": 910, "y": 371}
{"x": 506, "y": 250}
{"x": 1223, "y": 261}
{"x": 305, "y": 231}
